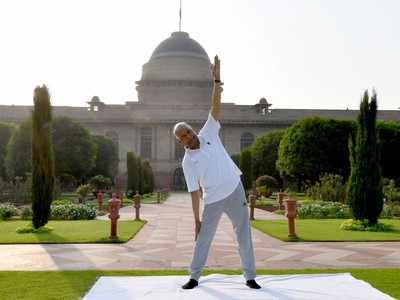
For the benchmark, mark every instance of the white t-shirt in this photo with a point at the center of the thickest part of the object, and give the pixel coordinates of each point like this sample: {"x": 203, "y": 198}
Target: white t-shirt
{"x": 210, "y": 166}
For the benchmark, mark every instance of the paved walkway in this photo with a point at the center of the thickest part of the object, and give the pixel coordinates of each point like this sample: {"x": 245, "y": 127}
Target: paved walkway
{"x": 166, "y": 242}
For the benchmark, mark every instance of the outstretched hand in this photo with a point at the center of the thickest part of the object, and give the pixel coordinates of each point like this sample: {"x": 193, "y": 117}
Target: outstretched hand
{"x": 216, "y": 67}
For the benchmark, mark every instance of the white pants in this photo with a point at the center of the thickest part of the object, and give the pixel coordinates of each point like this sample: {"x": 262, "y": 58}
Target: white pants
{"x": 235, "y": 206}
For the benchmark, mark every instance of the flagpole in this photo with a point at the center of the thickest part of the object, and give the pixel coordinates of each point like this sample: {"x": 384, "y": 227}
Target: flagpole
{"x": 180, "y": 15}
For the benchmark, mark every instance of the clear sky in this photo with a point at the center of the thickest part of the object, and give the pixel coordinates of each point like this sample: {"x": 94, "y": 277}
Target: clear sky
{"x": 297, "y": 53}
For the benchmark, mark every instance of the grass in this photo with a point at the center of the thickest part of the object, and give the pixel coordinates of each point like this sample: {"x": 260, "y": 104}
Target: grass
{"x": 75, "y": 284}
{"x": 301, "y": 198}
{"x": 146, "y": 199}
{"x": 92, "y": 231}
{"x": 267, "y": 201}
{"x": 312, "y": 230}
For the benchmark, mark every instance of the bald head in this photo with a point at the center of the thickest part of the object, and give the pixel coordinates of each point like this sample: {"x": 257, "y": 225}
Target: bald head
{"x": 185, "y": 134}
{"x": 182, "y": 125}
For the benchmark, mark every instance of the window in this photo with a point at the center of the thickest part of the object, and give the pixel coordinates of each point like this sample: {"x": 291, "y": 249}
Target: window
{"x": 146, "y": 137}
{"x": 246, "y": 140}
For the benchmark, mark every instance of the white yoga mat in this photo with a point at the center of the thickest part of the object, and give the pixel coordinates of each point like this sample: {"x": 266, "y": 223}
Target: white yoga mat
{"x": 227, "y": 287}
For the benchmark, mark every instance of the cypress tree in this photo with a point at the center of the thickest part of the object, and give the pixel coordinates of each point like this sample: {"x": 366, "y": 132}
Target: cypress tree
{"x": 364, "y": 192}
{"x": 140, "y": 174}
{"x": 132, "y": 167}
{"x": 148, "y": 177}
{"x": 42, "y": 157}
{"x": 245, "y": 166}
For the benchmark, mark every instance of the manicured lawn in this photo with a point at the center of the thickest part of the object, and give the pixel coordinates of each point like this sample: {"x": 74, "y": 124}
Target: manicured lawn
{"x": 325, "y": 230}
{"x": 74, "y": 284}
{"x": 92, "y": 231}
{"x": 147, "y": 199}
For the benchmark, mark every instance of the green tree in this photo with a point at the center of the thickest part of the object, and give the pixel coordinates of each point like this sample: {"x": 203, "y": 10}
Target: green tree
{"x": 389, "y": 138}
{"x": 42, "y": 158}
{"x": 106, "y": 162}
{"x": 6, "y": 131}
{"x": 83, "y": 190}
{"x": 148, "y": 185}
{"x": 364, "y": 194}
{"x": 133, "y": 178}
{"x": 99, "y": 182}
{"x": 314, "y": 146}
{"x": 245, "y": 167}
{"x": 74, "y": 149}
{"x": 18, "y": 160}
{"x": 140, "y": 173}
{"x": 236, "y": 159}
{"x": 264, "y": 154}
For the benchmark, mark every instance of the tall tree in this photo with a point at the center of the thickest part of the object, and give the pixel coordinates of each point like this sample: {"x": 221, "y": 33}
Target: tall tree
{"x": 264, "y": 154}
{"x": 6, "y": 131}
{"x": 148, "y": 176}
{"x": 140, "y": 173}
{"x": 74, "y": 149}
{"x": 106, "y": 162}
{"x": 364, "y": 192}
{"x": 246, "y": 168}
{"x": 18, "y": 160}
{"x": 313, "y": 146}
{"x": 132, "y": 167}
{"x": 42, "y": 157}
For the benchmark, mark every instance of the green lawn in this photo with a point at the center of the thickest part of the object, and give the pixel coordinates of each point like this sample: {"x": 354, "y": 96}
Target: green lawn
{"x": 92, "y": 231}
{"x": 74, "y": 284}
{"x": 147, "y": 199}
{"x": 312, "y": 230}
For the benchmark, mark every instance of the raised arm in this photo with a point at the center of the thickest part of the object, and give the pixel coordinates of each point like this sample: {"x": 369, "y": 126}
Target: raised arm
{"x": 217, "y": 89}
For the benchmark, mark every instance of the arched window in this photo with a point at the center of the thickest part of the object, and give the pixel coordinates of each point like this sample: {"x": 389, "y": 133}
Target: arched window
{"x": 146, "y": 137}
{"x": 179, "y": 151}
{"x": 246, "y": 140}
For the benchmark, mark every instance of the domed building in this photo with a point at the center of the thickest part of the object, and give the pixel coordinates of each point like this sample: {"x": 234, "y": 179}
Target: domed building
{"x": 175, "y": 86}
{"x": 178, "y": 72}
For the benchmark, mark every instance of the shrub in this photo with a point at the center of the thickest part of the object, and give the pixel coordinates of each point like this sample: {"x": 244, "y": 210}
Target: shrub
{"x": 83, "y": 190}
{"x": 390, "y": 210}
{"x": 31, "y": 229}
{"x": 390, "y": 191}
{"x": 26, "y": 213}
{"x": 99, "y": 182}
{"x": 363, "y": 225}
{"x": 7, "y": 211}
{"x": 323, "y": 210}
{"x": 61, "y": 202}
{"x": 266, "y": 185}
{"x": 73, "y": 212}
{"x": 67, "y": 181}
{"x": 330, "y": 187}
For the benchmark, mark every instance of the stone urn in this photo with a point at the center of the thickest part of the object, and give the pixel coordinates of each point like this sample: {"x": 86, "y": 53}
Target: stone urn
{"x": 290, "y": 213}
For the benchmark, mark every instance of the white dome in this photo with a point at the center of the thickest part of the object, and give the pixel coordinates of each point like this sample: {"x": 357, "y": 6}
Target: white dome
{"x": 178, "y": 57}
{"x": 178, "y": 72}
{"x": 179, "y": 44}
